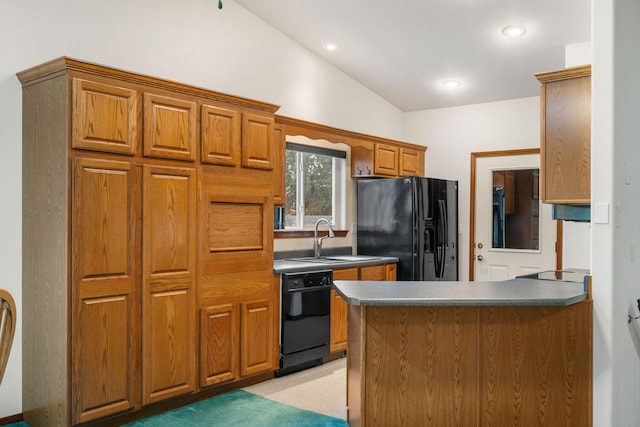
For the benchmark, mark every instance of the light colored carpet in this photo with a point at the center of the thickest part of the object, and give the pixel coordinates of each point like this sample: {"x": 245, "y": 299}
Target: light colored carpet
{"x": 321, "y": 389}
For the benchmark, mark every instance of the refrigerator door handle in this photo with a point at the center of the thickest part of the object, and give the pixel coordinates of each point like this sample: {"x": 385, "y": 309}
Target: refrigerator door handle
{"x": 442, "y": 239}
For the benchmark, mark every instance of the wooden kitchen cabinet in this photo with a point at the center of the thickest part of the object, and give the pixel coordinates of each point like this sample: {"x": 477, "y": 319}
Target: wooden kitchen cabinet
{"x": 221, "y": 134}
{"x": 105, "y": 117}
{"x": 380, "y": 160}
{"x": 565, "y": 137}
{"x": 338, "y": 340}
{"x": 219, "y": 338}
{"x": 105, "y": 307}
{"x": 169, "y": 264}
{"x": 256, "y": 341}
{"x": 374, "y": 272}
{"x": 237, "y": 340}
{"x": 410, "y": 162}
{"x": 339, "y": 308}
{"x": 239, "y": 329}
{"x": 279, "y": 163}
{"x": 231, "y": 137}
{"x": 114, "y": 199}
{"x": 386, "y": 160}
{"x": 257, "y": 141}
{"x": 170, "y": 127}
{"x": 390, "y": 272}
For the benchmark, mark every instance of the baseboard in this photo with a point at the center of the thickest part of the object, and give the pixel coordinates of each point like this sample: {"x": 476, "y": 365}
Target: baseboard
{"x": 11, "y": 420}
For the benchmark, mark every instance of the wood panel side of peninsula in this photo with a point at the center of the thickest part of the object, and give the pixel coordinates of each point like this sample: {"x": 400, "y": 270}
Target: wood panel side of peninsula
{"x": 470, "y": 365}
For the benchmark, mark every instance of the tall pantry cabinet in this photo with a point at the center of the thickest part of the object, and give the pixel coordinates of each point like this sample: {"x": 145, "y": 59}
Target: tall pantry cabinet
{"x": 137, "y": 225}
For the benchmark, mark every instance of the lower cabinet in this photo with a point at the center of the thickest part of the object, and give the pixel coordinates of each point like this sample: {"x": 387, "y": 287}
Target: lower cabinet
{"x": 236, "y": 340}
{"x": 339, "y": 308}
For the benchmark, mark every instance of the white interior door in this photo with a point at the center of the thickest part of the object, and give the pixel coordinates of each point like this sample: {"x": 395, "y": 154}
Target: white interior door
{"x": 514, "y": 232}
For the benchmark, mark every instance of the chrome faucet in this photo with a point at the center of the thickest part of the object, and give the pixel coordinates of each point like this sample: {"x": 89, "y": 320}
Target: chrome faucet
{"x": 317, "y": 242}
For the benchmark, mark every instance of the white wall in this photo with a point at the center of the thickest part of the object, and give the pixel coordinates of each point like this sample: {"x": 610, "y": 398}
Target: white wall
{"x": 452, "y": 134}
{"x": 189, "y": 41}
{"x": 615, "y": 181}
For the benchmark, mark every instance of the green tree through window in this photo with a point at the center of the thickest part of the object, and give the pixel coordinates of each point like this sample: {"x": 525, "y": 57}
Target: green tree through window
{"x": 310, "y": 185}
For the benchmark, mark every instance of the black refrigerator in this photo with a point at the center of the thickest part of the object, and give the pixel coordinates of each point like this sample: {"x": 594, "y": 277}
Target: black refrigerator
{"x": 414, "y": 219}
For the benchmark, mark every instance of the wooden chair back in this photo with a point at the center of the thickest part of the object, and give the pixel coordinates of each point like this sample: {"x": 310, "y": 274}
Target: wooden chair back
{"x": 7, "y": 327}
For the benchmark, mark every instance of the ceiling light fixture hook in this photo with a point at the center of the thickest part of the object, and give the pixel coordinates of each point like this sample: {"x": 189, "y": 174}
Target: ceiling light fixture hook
{"x": 219, "y": 4}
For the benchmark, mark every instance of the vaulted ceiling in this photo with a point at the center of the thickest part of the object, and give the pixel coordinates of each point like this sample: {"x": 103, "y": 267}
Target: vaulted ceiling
{"x": 404, "y": 49}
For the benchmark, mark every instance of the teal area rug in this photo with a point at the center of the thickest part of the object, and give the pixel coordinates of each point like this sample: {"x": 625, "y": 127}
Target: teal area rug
{"x": 239, "y": 408}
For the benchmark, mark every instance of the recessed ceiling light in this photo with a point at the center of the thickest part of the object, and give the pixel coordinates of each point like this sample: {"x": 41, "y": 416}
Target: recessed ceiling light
{"x": 330, "y": 46}
{"x": 451, "y": 83}
{"x": 514, "y": 30}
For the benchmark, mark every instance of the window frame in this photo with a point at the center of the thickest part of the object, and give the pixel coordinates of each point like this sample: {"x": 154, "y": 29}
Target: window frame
{"x": 339, "y": 183}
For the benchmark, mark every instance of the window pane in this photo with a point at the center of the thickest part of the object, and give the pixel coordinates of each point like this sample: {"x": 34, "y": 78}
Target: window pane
{"x": 318, "y": 187}
{"x": 291, "y": 188}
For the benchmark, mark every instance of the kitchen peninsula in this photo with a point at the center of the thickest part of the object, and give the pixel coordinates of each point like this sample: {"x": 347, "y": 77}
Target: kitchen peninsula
{"x": 515, "y": 353}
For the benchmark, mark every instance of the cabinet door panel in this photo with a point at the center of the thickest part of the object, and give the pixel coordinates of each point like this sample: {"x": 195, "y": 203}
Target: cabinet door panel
{"x": 409, "y": 162}
{"x": 385, "y": 160}
{"x": 105, "y": 332}
{"x": 391, "y": 271}
{"x": 567, "y": 142}
{"x": 104, "y": 117}
{"x": 169, "y": 127}
{"x": 169, "y": 365}
{"x": 220, "y": 135}
{"x": 169, "y": 247}
{"x": 257, "y": 141}
{"x": 339, "y": 308}
{"x": 257, "y": 337}
{"x": 219, "y": 330}
{"x": 280, "y": 146}
{"x": 236, "y": 234}
{"x": 374, "y": 272}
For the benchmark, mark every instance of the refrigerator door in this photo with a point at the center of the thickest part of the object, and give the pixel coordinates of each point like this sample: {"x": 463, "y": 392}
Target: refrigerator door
{"x": 387, "y": 222}
{"x": 430, "y": 230}
{"x": 451, "y": 253}
{"x": 439, "y": 256}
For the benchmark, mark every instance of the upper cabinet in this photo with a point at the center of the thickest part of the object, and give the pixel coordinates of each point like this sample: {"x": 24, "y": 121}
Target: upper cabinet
{"x": 234, "y": 138}
{"x": 371, "y": 156}
{"x": 279, "y": 144}
{"x": 105, "y": 117}
{"x": 565, "y": 136}
{"x": 170, "y": 129}
{"x": 386, "y": 160}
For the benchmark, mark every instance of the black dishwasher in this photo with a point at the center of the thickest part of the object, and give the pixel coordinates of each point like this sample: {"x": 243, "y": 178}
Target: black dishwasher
{"x": 305, "y": 319}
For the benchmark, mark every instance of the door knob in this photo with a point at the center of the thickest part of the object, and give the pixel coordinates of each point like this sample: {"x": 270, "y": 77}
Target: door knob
{"x": 480, "y": 258}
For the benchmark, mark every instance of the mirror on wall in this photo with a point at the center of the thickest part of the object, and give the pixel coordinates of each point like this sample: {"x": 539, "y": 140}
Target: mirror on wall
{"x": 516, "y": 209}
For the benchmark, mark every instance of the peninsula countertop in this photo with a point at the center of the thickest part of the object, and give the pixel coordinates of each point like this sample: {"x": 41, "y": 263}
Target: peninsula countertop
{"x": 521, "y": 291}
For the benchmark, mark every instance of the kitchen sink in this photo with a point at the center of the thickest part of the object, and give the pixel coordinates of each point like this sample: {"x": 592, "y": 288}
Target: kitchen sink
{"x": 322, "y": 260}
{"x": 336, "y": 259}
{"x": 353, "y": 258}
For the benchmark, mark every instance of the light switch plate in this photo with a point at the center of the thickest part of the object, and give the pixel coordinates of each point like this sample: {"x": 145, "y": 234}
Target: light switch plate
{"x": 601, "y": 213}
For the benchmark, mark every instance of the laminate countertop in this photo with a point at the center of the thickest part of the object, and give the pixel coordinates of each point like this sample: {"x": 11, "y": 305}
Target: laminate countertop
{"x": 521, "y": 291}
{"x": 336, "y": 262}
